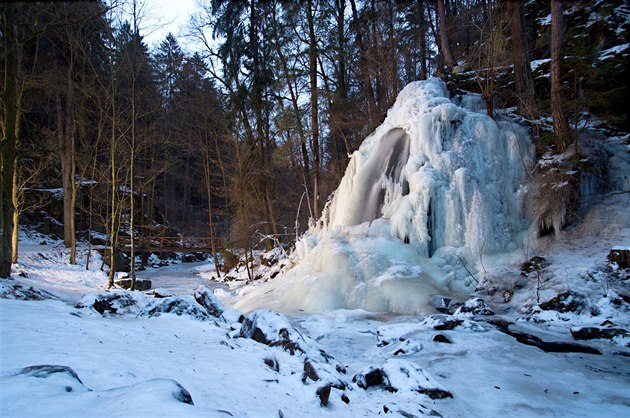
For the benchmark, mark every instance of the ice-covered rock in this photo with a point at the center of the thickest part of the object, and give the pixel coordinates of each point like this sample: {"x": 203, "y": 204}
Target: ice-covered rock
{"x": 475, "y": 306}
{"x": 177, "y": 305}
{"x": 12, "y": 290}
{"x": 433, "y": 185}
{"x": 114, "y": 302}
{"x": 400, "y": 375}
{"x": 205, "y": 297}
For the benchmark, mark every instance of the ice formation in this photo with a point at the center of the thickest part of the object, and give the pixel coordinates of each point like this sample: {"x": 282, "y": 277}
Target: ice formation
{"x": 434, "y": 185}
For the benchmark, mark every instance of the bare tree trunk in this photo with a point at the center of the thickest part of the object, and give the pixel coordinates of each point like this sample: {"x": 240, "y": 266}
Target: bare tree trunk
{"x": 314, "y": 107}
{"x": 560, "y": 125}
{"x": 449, "y": 60}
{"x": 522, "y": 70}
{"x": 423, "y": 41}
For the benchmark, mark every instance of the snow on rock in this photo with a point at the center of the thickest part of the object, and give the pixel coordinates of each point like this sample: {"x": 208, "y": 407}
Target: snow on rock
{"x": 205, "y": 297}
{"x": 12, "y": 290}
{"x": 436, "y": 185}
{"x": 114, "y": 302}
{"x": 474, "y": 306}
{"x": 178, "y": 305}
{"x": 59, "y": 391}
{"x": 400, "y": 375}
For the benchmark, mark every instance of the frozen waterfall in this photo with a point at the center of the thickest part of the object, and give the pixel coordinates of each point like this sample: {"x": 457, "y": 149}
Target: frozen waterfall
{"x": 434, "y": 184}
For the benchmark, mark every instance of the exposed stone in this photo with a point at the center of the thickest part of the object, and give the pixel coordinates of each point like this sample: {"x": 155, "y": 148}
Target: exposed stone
{"x": 324, "y": 394}
{"x": 178, "y": 305}
{"x": 272, "y": 363}
{"x": 400, "y": 375}
{"x": 205, "y": 297}
{"x": 475, "y": 306}
{"x": 442, "y": 322}
{"x": 441, "y": 338}
{"x": 620, "y": 256}
{"x": 592, "y": 333}
{"x": 12, "y": 290}
{"x": 444, "y": 304}
{"x": 141, "y": 284}
{"x": 535, "y": 263}
{"x": 120, "y": 302}
{"x": 547, "y": 346}
{"x": 565, "y": 302}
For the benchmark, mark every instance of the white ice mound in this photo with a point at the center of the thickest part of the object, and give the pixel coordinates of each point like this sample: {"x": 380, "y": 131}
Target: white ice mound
{"x": 433, "y": 184}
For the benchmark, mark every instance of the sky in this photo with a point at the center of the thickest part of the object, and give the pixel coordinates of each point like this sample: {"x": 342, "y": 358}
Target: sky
{"x": 166, "y": 16}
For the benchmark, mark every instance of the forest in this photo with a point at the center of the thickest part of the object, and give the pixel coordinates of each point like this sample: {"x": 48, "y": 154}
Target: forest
{"x": 245, "y": 138}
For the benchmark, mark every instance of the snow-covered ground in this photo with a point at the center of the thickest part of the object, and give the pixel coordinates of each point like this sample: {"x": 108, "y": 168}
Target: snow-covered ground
{"x": 130, "y": 364}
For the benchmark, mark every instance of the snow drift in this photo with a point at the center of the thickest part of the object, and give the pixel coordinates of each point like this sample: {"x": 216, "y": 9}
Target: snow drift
{"x": 435, "y": 185}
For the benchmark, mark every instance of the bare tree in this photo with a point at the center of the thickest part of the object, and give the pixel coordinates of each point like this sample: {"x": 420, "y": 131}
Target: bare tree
{"x": 522, "y": 71}
{"x": 560, "y": 124}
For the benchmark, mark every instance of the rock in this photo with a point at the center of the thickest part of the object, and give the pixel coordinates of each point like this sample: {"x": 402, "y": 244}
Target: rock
{"x": 475, "y": 306}
{"x": 268, "y": 327}
{"x": 205, "y": 297}
{"x": 324, "y": 394}
{"x": 160, "y": 293}
{"x": 233, "y": 316}
{"x": 400, "y": 375}
{"x": 12, "y": 290}
{"x": 178, "y": 305}
{"x": 47, "y": 370}
{"x": 547, "y": 346}
{"x": 408, "y": 346}
{"x": 535, "y": 263}
{"x": 272, "y": 363}
{"x": 112, "y": 302}
{"x": 441, "y": 338}
{"x": 345, "y": 399}
{"x": 565, "y": 302}
{"x": 141, "y": 284}
{"x": 593, "y": 333}
{"x": 441, "y": 322}
{"x": 444, "y": 304}
{"x": 620, "y": 256}
{"x": 189, "y": 258}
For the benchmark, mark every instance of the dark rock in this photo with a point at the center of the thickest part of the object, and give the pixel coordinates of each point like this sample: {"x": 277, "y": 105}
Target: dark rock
{"x": 46, "y": 370}
{"x": 160, "y": 293}
{"x": 444, "y": 304}
{"x": 272, "y": 363}
{"x": 309, "y": 372}
{"x": 592, "y": 333}
{"x": 189, "y": 258}
{"x": 396, "y": 375}
{"x": 182, "y": 395}
{"x": 141, "y": 284}
{"x": 565, "y": 302}
{"x": 205, "y": 297}
{"x": 535, "y": 263}
{"x": 441, "y": 338}
{"x": 103, "y": 306}
{"x": 345, "y": 398}
{"x": 111, "y": 302}
{"x": 441, "y": 322}
{"x": 178, "y": 305}
{"x": 476, "y": 306}
{"x": 324, "y": 394}
{"x": 620, "y": 256}
{"x": 436, "y": 393}
{"x": 12, "y": 290}
{"x": 547, "y": 346}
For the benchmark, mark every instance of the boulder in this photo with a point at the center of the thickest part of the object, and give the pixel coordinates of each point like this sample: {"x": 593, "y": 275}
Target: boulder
{"x": 441, "y": 338}
{"x": 593, "y": 333}
{"x": 444, "y": 304}
{"x": 177, "y": 305}
{"x": 141, "y": 284}
{"x": 205, "y": 297}
{"x": 565, "y": 302}
{"x": 441, "y": 322}
{"x": 620, "y": 256}
{"x": 400, "y": 375}
{"x": 113, "y": 302}
{"x": 475, "y": 306}
{"x": 11, "y": 290}
{"x": 535, "y": 263}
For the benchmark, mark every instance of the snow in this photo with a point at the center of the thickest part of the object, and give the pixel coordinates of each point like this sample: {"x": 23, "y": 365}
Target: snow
{"x": 431, "y": 190}
{"x": 611, "y": 52}
{"x": 132, "y": 365}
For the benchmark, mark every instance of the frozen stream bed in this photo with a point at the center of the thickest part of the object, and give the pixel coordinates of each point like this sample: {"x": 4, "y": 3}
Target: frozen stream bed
{"x": 130, "y": 364}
